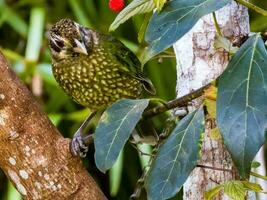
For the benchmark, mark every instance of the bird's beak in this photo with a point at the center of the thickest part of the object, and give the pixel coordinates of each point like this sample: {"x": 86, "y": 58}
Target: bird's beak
{"x": 80, "y": 47}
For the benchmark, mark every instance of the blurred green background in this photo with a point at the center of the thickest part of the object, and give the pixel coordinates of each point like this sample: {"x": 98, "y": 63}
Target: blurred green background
{"x": 23, "y": 28}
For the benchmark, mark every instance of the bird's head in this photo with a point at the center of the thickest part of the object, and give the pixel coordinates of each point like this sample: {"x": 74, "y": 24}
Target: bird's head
{"x": 68, "y": 38}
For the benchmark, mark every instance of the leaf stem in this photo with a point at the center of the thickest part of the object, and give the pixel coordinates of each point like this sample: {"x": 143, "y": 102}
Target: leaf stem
{"x": 252, "y": 7}
{"x": 217, "y": 27}
{"x": 182, "y": 101}
{"x": 258, "y": 175}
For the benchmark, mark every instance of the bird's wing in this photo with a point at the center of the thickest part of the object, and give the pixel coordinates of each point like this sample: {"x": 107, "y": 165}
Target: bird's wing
{"x": 130, "y": 64}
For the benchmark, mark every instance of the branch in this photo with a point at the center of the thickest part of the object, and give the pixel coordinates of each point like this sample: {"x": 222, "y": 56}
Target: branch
{"x": 182, "y": 101}
{"x": 34, "y": 155}
{"x": 252, "y": 7}
{"x": 215, "y": 168}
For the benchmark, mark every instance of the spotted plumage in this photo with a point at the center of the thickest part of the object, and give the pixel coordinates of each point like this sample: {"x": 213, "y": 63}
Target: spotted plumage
{"x": 93, "y": 68}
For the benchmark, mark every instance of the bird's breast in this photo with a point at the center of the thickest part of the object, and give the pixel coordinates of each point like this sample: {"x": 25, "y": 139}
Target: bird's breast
{"x": 95, "y": 81}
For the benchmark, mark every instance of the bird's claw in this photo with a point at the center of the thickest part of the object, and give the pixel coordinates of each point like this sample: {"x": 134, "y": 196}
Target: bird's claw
{"x": 78, "y": 146}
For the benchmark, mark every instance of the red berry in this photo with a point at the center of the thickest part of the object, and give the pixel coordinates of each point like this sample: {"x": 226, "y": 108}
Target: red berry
{"x": 116, "y": 5}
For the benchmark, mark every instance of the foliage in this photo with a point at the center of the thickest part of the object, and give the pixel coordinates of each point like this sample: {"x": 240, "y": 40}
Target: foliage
{"x": 241, "y": 105}
{"x": 134, "y": 8}
{"x": 176, "y": 157}
{"x": 236, "y": 190}
{"x": 114, "y": 129}
{"x": 176, "y": 19}
{"x": 24, "y": 25}
{"x": 241, "y": 111}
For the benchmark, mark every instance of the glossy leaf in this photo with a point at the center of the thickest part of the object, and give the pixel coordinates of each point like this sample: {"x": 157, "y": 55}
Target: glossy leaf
{"x": 114, "y": 129}
{"x": 134, "y": 8}
{"x": 175, "y": 20}
{"x": 241, "y": 103}
{"x": 176, "y": 158}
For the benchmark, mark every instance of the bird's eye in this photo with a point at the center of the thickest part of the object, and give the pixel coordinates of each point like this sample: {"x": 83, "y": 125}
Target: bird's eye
{"x": 54, "y": 47}
{"x": 57, "y": 45}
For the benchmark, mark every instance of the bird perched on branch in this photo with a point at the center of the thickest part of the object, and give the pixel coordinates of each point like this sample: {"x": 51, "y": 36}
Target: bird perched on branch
{"x": 95, "y": 69}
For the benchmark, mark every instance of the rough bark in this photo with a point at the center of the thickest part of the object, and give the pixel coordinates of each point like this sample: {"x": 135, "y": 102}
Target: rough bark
{"x": 34, "y": 155}
{"x": 199, "y": 63}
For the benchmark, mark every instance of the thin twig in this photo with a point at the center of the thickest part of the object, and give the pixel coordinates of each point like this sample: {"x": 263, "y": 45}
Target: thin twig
{"x": 215, "y": 168}
{"x": 164, "y": 56}
{"x": 182, "y": 101}
{"x": 252, "y": 7}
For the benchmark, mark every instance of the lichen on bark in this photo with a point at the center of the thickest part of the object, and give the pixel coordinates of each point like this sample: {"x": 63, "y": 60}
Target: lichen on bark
{"x": 34, "y": 155}
{"x": 198, "y": 63}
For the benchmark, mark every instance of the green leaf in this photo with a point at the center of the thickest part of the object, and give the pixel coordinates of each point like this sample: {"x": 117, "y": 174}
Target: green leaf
{"x": 12, "y": 55}
{"x": 13, "y": 19}
{"x": 176, "y": 157}
{"x": 12, "y": 193}
{"x": 55, "y": 118}
{"x": 209, "y": 195}
{"x": 255, "y": 164}
{"x": 241, "y": 103}
{"x": 114, "y": 129}
{"x": 223, "y": 42}
{"x": 79, "y": 115}
{"x": 134, "y": 8}
{"x": 252, "y": 186}
{"x": 45, "y": 71}
{"x": 175, "y": 20}
{"x": 115, "y": 174}
{"x": 142, "y": 30}
{"x": 159, "y": 4}
{"x": 79, "y": 13}
{"x": 235, "y": 190}
{"x": 144, "y": 159}
{"x": 35, "y": 34}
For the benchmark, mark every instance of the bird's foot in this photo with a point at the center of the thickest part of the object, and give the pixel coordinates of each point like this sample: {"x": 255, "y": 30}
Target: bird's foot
{"x": 79, "y": 145}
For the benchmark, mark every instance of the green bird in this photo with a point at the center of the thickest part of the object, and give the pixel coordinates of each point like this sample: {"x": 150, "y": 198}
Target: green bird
{"x": 95, "y": 69}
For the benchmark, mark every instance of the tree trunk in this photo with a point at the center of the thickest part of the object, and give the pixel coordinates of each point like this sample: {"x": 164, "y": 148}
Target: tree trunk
{"x": 34, "y": 155}
{"x": 198, "y": 64}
